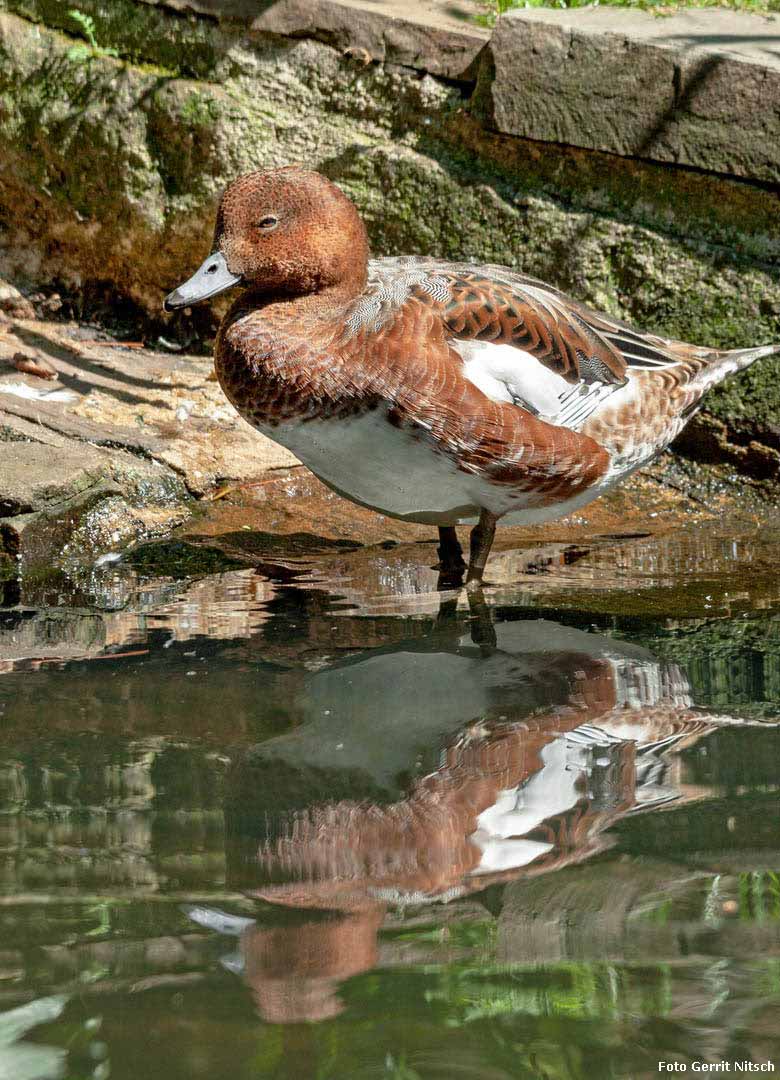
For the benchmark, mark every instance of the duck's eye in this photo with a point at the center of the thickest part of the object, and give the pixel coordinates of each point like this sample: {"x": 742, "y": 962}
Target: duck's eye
{"x": 268, "y": 223}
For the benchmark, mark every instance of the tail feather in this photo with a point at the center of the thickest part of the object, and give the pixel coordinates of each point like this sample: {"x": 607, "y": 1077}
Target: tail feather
{"x": 728, "y": 363}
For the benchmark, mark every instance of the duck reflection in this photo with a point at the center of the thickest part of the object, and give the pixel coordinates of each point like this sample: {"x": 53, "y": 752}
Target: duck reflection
{"x": 428, "y": 771}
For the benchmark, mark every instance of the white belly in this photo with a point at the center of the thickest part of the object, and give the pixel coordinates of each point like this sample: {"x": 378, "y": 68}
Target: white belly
{"x": 372, "y": 462}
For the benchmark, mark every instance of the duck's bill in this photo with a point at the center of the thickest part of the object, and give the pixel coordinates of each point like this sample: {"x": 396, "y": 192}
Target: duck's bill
{"x": 211, "y": 278}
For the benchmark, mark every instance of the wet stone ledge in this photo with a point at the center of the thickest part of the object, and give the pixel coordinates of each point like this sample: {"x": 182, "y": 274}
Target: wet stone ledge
{"x": 116, "y": 447}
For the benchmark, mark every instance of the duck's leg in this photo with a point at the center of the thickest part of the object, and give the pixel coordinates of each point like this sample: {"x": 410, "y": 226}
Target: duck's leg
{"x": 483, "y": 632}
{"x": 451, "y": 564}
{"x": 447, "y": 615}
{"x": 481, "y": 542}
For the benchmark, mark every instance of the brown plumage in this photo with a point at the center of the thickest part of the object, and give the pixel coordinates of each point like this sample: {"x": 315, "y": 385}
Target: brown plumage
{"x": 432, "y": 391}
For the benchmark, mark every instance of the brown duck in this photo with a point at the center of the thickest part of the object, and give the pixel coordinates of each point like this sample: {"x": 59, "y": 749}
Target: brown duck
{"x": 433, "y": 391}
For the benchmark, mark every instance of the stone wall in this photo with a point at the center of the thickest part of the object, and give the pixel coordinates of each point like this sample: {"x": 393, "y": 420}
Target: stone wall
{"x": 630, "y": 159}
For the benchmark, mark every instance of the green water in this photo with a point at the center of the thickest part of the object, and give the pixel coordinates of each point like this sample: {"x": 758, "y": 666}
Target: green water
{"x": 289, "y": 824}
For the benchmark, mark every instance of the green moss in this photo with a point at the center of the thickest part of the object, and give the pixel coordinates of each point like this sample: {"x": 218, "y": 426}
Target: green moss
{"x": 200, "y": 109}
{"x": 177, "y": 559}
{"x": 750, "y": 402}
{"x": 181, "y": 132}
{"x": 740, "y": 218}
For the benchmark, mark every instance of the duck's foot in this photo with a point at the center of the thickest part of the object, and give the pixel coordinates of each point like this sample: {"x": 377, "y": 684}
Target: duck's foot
{"x": 451, "y": 562}
{"x": 481, "y": 542}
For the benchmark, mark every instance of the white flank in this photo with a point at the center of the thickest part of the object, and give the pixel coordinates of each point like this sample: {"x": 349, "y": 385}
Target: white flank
{"x": 504, "y": 373}
{"x": 381, "y": 466}
{"x": 394, "y": 471}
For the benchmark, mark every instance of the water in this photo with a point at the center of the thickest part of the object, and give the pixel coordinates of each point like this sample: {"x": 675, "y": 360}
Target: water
{"x": 318, "y": 820}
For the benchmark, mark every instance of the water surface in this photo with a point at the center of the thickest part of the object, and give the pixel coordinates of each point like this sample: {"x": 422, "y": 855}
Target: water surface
{"x": 315, "y": 819}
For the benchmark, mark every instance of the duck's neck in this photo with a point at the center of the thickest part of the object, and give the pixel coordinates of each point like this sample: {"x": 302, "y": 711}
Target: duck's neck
{"x": 326, "y": 302}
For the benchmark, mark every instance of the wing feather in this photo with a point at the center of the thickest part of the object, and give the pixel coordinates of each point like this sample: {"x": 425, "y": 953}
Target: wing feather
{"x": 526, "y": 342}
{"x": 496, "y": 304}
{"x": 521, "y": 340}
{"x": 504, "y": 373}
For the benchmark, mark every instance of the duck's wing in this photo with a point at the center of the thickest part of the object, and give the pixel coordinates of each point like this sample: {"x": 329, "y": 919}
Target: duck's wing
{"x": 523, "y": 341}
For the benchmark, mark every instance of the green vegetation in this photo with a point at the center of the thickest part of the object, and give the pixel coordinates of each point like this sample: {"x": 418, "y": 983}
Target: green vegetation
{"x": 658, "y": 7}
{"x": 86, "y": 25}
{"x": 177, "y": 559}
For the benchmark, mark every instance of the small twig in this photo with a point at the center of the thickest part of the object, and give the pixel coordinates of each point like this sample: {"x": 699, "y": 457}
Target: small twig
{"x": 118, "y": 655}
{"x": 222, "y": 493}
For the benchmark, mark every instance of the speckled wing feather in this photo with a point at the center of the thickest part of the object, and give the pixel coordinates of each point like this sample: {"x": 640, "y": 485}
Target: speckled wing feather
{"x": 533, "y": 318}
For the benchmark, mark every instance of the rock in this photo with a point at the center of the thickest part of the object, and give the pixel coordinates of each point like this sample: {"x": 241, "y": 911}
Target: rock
{"x": 698, "y": 88}
{"x": 709, "y": 438}
{"x": 66, "y": 499}
{"x": 155, "y": 405}
{"x": 426, "y": 37}
{"x": 12, "y": 302}
{"x": 104, "y": 461}
{"x": 36, "y": 477}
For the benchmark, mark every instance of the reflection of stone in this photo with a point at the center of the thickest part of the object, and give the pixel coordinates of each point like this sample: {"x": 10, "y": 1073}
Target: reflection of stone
{"x": 224, "y": 606}
{"x": 90, "y": 820}
{"x": 721, "y": 574}
{"x": 56, "y": 633}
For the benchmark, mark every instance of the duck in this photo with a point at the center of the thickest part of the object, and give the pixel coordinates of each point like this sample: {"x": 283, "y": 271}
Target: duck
{"x": 437, "y": 392}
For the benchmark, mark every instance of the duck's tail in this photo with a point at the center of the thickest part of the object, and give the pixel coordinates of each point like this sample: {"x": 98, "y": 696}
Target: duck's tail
{"x": 728, "y": 363}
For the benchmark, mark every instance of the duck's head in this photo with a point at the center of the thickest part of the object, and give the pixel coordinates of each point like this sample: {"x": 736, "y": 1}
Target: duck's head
{"x": 281, "y": 232}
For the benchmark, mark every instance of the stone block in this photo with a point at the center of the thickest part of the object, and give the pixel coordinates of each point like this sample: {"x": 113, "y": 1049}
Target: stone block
{"x": 697, "y": 88}
{"x": 430, "y": 38}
